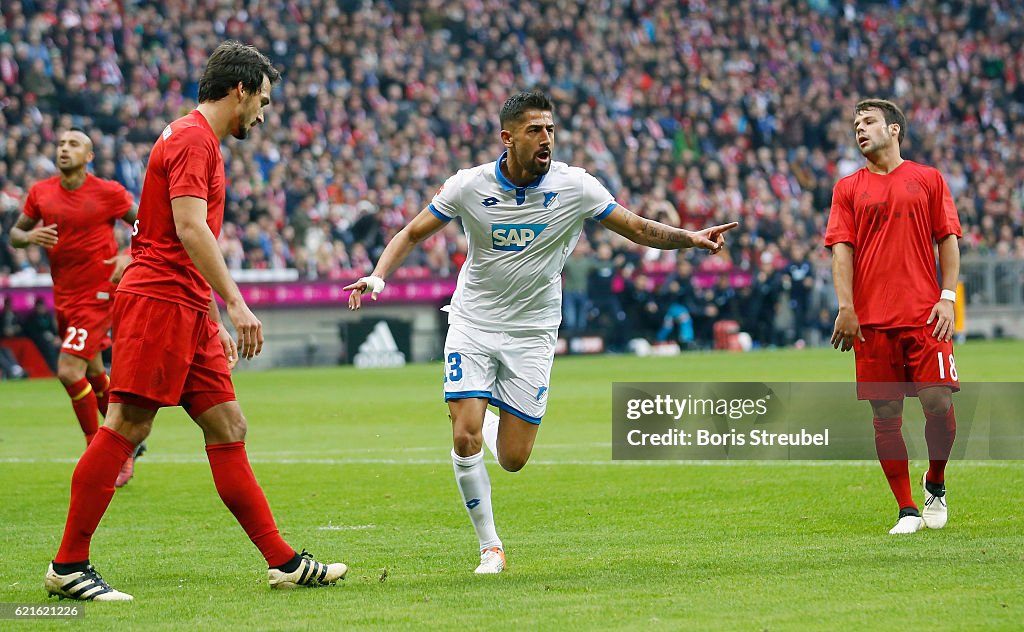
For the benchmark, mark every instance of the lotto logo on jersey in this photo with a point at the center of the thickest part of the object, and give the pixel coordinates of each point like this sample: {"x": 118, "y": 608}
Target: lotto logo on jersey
{"x": 514, "y": 237}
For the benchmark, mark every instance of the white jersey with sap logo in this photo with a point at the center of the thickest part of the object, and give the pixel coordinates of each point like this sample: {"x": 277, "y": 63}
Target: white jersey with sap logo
{"x": 519, "y": 239}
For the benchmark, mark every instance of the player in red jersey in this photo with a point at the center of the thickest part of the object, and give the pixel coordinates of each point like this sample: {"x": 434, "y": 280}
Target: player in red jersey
{"x": 170, "y": 347}
{"x": 72, "y": 215}
{"x": 885, "y": 220}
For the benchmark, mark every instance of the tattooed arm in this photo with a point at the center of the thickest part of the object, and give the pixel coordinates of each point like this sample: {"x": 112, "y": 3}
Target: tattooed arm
{"x": 647, "y": 232}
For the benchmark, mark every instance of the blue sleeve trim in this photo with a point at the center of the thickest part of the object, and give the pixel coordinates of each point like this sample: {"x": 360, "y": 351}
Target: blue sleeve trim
{"x": 606, "y": 212}
{"x": 467, "y": 395}
{"x": 438, "y": 214}
{"x": 518, "y": 413}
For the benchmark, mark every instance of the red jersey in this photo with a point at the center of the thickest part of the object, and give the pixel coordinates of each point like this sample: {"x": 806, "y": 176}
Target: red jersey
{"x": 185, "y": 161}
{"x": 85, "y": 235}
{"x": 892, "y": 221}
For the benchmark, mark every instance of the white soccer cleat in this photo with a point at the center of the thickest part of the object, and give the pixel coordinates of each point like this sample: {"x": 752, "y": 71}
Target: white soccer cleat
{"x": 81, "y": 586}
{"x": 935, "y": 512}
{"x": 309, "y": 573}
{"x": 907, "y": 524}
{"x": 492, "y": 561}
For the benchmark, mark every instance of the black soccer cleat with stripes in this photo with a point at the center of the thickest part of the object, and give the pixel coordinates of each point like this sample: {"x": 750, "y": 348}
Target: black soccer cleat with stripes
{"x": 309, "y": 573}
{"x": 84, "y": 585}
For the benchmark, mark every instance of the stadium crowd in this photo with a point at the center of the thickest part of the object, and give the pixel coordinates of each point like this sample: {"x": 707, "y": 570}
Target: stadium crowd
{"x": 692, "y": 112}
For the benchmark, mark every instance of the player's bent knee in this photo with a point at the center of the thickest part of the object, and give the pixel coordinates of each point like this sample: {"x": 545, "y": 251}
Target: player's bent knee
{"x": 234, "y": 428}
{"x": 134, "y": 431}
{"x": 936, "y": 403}
{"x": 137, "y": 433}
{"x": 467, "y": 443}
{"x": 223, "y": 423}
{"x": 512, "y": 463}
{"x": 887, "y": 409}
{"x": 130, "y": 421}
{"x": 69, "y": 374}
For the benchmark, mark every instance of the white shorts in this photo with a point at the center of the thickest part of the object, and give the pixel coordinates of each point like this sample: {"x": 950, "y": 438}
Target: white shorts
{"x": 510, "y": 369}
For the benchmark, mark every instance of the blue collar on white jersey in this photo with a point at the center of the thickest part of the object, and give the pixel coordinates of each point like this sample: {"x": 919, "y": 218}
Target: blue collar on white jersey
{"x": 504, "y": 182}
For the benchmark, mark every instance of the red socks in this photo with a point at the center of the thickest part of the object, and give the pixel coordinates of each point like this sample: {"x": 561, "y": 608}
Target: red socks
{"x": 101, "y": 386}
{"x": 939, "y": 433}
{"x": 892, "y": 454}
{"x": 92, "y": 487}
{"x": 83, "y": 400}
{"x": 239, "y": 490}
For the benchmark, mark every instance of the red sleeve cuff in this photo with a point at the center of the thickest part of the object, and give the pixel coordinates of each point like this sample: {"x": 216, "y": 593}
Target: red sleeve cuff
{"x": 838, "y": 239}
{"x": 178, "y": 192}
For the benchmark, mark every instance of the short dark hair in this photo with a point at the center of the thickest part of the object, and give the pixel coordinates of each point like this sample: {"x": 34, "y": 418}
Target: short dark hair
{"x": 519, "y": 103}
{"x": 232, "y": 63}
{"x": 890, "y": 111}
{"x": 81, "y": 131}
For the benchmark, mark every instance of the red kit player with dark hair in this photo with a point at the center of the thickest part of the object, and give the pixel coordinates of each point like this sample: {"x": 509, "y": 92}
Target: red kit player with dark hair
{"x": 170, "y": 347}
{"x": 886, "y": 219}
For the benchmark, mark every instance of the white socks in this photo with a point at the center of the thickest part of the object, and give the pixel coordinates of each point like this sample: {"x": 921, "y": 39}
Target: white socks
{"x": 475, "y": 487}
{"x": 490, "y": 432}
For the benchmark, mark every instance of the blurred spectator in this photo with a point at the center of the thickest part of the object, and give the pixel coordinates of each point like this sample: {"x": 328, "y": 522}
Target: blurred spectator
{"x": 9, "y": 367}
{"x": 758, "y": 311}
{"x": 41, "y": 327}
{"x": 606, "y": 313}
{"x": 643, "y": 311}
{"x": 724, "y": 299}
{"x": 575, "y": 298}
{"x": 799, "y": 274}
{"x": 10, "y": 324}
{"x": 822, "y": 327}
{"x": 680, "y": 303}
{"x": 10, "y": 327}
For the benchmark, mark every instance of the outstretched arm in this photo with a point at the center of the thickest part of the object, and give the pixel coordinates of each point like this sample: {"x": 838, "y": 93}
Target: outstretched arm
{"x": 648, "y": 232}
{"x": 422, "y": 226}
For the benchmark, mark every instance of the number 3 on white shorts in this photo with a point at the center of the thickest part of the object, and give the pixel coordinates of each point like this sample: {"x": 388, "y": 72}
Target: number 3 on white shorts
{"x": 70, "y": 341}
{"x": 453, "y": 370}
{"x": 942, "y": 368}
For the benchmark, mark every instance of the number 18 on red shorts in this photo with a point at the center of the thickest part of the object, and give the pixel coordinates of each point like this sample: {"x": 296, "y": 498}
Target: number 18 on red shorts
{"x": 892, "y": 363}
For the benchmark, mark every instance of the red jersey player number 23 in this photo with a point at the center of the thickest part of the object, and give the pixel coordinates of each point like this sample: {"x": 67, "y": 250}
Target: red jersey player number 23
{"x": 82, "y": 288}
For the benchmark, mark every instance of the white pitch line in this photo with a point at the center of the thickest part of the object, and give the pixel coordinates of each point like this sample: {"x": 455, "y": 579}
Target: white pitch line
{"x": 350, "y": 527}
{"x": 548, "y": 446}
{"x": 188, "y": 460}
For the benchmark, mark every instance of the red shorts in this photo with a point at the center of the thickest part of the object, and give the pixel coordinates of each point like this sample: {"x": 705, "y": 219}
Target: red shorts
{"x": 85, "y": 329}
{"x": 166, "y": 354}
{"x": 892, "y": 363}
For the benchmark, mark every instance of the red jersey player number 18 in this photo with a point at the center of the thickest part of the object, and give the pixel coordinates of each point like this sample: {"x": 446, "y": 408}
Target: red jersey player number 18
{"x": 885, "y": 223}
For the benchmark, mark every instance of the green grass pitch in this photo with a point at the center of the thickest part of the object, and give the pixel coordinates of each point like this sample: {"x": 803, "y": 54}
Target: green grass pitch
{"x": 356, "y": 467}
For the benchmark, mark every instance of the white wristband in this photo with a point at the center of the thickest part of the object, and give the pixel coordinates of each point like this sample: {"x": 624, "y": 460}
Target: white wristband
{"x": 374, "y": 285}
{"x": 948, "y": 295}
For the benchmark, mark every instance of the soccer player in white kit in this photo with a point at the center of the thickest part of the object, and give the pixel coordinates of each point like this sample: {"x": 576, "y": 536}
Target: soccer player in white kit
{"x": 522, "y": 216}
